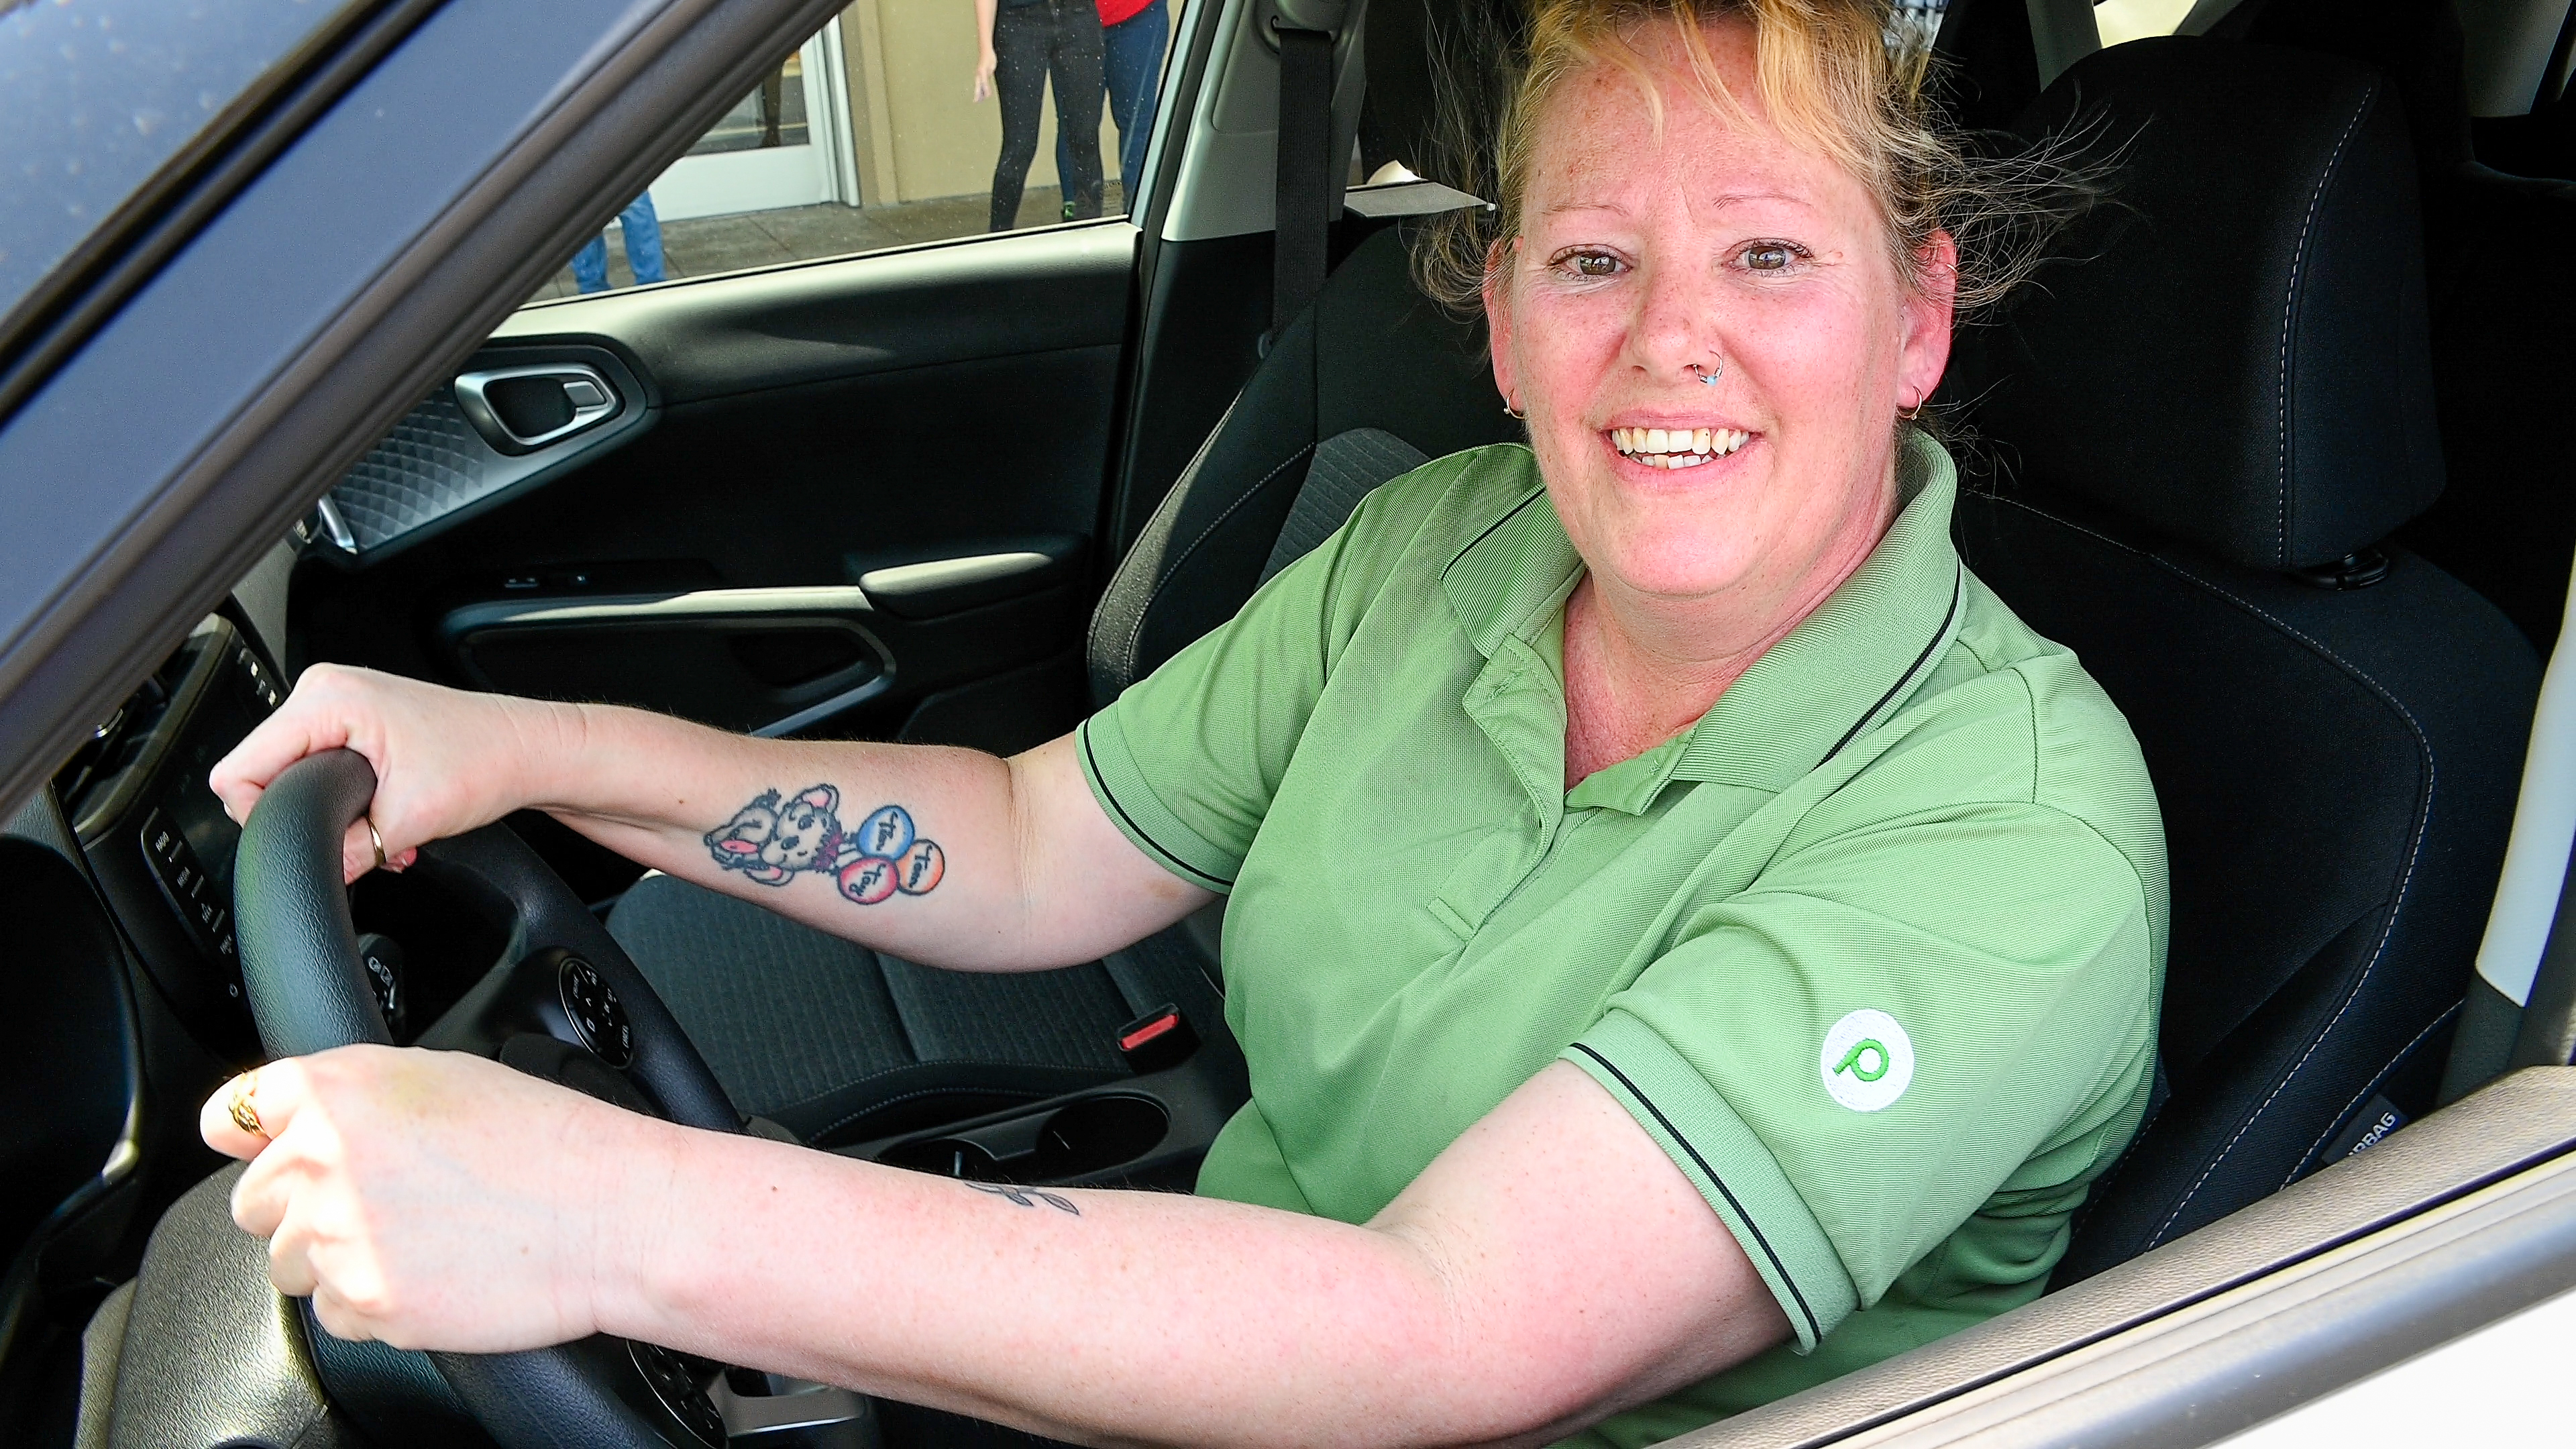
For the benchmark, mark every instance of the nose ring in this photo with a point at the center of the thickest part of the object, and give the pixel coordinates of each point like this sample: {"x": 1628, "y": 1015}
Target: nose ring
{"x": 1708, "y": 378}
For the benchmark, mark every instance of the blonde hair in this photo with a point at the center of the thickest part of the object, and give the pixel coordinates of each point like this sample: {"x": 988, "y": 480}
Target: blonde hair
{"x": 1832, "y": 75}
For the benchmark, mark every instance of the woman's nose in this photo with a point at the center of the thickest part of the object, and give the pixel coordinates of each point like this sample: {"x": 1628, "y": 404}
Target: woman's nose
{"x": 1677, "y": 333}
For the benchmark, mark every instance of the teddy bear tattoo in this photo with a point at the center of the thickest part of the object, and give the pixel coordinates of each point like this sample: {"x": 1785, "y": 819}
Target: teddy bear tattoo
{"x": 772, "y": 840}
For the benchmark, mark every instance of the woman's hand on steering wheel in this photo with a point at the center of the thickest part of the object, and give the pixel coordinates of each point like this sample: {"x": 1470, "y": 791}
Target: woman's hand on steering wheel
{"x": 394, "y": 1188}
{"x": 446, "y": 760}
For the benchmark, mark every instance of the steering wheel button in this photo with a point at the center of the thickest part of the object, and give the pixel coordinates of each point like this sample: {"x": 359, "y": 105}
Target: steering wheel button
{"x": 678, "y": 1390}
{"x": 597, "y": 1016}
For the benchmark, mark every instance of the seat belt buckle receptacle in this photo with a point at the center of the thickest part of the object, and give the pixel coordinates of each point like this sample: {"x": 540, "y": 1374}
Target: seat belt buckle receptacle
{"x": 1158, "y": 1040}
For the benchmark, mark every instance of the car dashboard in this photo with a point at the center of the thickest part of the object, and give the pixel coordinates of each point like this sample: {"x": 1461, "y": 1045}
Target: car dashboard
{"x": 156, "y": 838}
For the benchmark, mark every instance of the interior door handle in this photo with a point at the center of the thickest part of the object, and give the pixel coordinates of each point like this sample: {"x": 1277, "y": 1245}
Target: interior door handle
{"x": 521, "y": 409}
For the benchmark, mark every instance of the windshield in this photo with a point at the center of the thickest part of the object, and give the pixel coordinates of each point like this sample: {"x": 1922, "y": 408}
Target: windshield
{"x": 96, "y": 96}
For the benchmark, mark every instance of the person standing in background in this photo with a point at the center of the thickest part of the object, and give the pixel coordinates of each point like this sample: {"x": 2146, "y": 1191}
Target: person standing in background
{"x": 1134, "y": 35}
{"x": 643, "y": 232}
{"x": 1023, "y": 42}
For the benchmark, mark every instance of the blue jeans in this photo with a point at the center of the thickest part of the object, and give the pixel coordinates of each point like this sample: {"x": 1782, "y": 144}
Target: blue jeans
{"x": 643, "y": 248}
{"x": 1133, "y": 69}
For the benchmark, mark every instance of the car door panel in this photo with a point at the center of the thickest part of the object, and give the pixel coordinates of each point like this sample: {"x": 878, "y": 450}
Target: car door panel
{"x": 833, "y": 494}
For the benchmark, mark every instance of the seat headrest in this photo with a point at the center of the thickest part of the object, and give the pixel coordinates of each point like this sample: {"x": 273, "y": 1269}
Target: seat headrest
{"x": 2235, "y": 352}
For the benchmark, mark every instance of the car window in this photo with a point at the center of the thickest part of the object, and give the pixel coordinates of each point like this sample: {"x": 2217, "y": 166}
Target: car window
{"x": 884, "y": 130}
{"x": 99, "y": 96}
{"x": 2120, "y": 20}
{"x": 1915, "y": 21}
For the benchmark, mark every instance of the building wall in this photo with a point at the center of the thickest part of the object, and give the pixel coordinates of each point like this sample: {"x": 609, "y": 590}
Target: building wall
{"x": 917, "y": 132}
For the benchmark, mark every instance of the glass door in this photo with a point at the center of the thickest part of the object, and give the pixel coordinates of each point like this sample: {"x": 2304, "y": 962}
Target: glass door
{"x": 782, "y": 145}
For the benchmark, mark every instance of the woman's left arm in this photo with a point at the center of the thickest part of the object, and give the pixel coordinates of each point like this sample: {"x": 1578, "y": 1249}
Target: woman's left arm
{"x": 1551, "y": 1267}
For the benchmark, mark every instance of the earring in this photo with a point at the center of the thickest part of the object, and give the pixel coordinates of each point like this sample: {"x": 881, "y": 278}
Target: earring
{"x": 1910, "y": 414}
{"x": 1512, "y": 412}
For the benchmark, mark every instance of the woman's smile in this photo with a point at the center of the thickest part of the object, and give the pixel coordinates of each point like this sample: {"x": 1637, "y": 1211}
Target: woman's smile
{"x": 1675, "y": 446}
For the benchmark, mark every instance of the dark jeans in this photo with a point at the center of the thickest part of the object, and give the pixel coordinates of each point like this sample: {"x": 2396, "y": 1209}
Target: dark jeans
{"x": 1135, "y": 72}
{"x": 1031, "y": 42}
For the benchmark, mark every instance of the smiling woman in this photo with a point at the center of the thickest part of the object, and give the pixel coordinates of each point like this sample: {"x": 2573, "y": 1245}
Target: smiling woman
{"x": 1687, "y": 936}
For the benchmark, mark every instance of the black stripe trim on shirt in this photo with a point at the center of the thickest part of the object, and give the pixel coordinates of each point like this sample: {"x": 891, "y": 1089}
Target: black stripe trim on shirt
{"x": 1814, "y": 1328}
{"x": 1507, "y": 517}
{"x": 1957, "y": 589}
{"x": 1141, "y": 832}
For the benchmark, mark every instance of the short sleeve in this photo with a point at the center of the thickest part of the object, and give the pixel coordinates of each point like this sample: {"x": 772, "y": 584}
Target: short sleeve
{"x": 1888, "y": 1028}
{"x": 1185, "y": 761}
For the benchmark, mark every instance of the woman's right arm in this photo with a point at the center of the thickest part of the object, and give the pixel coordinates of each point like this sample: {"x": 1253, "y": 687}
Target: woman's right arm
{"x": 947, "y": 857}
{"x": 985, "y": 60}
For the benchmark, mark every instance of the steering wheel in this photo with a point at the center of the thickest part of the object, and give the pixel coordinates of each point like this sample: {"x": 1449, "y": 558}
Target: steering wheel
{"x": 565, "y": 1004}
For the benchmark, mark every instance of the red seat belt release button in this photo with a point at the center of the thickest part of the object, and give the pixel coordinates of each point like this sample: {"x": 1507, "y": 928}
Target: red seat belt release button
{"x": 1158, "y": 1040}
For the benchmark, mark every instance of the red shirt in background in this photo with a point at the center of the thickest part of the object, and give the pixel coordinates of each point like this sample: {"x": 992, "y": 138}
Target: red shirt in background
{"x": 1113, "y": 11}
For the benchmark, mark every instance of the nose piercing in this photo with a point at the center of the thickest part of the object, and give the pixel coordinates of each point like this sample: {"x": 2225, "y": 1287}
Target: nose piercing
{"x": 1708, "y": 378}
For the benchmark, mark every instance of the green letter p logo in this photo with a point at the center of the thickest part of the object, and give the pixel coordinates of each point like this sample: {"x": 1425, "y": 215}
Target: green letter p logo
{"x": 1867, "y": 1061}
{"x": 1868, "y": 1071}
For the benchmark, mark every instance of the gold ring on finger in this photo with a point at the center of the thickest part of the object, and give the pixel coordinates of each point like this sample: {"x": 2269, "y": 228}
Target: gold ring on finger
{"x": 377, "y": 840}
{"x": 244, "y": 1113}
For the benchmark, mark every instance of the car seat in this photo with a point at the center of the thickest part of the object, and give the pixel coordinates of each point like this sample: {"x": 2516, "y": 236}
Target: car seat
{"x": 2196, "y": 439}
{"x": 2503, "y": 301}
{"x": 2500, "y": 295}
{"x": 839, "y": 1043}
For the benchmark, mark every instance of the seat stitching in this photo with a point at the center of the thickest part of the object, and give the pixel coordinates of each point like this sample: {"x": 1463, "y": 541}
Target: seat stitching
{"x": 2289, "y": 312}
{"x": 2397, "y": 901}
{"x": 1136, "y": 633}
{"x": 2373, "y": 1085}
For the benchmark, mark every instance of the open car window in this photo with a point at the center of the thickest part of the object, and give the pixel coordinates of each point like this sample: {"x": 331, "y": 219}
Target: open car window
{"x": 876, "y": 133}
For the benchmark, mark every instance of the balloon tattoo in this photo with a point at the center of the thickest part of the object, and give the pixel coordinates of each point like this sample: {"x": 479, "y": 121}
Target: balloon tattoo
{"x": 772, "y": 840}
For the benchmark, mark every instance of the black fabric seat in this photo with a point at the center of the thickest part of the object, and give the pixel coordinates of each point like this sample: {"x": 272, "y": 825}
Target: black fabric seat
{"x": 841, "y": 1044}
{"x": 2197, "y": 440}
{"x": 2503, "y": 303}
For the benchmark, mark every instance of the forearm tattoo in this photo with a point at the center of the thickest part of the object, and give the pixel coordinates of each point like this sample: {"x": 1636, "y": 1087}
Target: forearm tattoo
{"x": 1023, "y": 1196}
{"x": 773, "y": 841}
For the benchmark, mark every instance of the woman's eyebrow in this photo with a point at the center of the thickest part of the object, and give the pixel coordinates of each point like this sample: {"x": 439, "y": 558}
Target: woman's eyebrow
{"x": 1725, "y": 199}
{"x": 1563, "y": 207}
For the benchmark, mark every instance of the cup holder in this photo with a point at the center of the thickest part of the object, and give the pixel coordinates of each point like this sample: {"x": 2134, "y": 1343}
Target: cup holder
{"x": 945, "y": 1156}
{"x": 1089, "y": 1135}
{"x": 1099, "y": 1132}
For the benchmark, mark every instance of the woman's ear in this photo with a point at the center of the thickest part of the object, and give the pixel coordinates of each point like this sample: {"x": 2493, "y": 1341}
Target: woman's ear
{"x": 1498, "y": 317}
{"x": 1929, "y": 308}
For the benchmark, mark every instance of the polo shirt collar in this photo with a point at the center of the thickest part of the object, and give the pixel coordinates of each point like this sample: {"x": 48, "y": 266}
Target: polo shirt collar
{"x": 1851, "y": 663}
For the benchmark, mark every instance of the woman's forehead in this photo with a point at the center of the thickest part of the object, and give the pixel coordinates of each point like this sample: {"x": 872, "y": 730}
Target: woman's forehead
{"x": 1602, "y": 147}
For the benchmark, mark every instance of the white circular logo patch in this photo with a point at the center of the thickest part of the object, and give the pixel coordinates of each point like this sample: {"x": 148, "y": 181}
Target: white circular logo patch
{"x": 1867, "y": 1060}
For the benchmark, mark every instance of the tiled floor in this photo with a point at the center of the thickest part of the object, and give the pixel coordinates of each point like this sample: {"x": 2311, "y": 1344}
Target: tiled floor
{"x": 764, "y": 238}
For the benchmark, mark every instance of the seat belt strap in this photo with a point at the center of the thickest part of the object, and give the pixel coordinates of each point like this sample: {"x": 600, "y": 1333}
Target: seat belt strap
{"x": 1305, "y": 172}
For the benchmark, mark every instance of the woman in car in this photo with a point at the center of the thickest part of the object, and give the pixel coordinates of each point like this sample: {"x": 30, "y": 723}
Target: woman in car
{"x": 1689, "y": 939}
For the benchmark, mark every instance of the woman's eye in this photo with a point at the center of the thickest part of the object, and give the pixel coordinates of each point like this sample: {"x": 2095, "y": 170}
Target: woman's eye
{"x": 1769, "y": 257}
{"x": 1590, "y": 264}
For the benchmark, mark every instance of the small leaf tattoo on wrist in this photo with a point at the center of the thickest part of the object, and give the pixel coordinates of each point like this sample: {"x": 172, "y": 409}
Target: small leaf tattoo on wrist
{"x": 774, "y": 839}
{"x": 1023, "y": 1195}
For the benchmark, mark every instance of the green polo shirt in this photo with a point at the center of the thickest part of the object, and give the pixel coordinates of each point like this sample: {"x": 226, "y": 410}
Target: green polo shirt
{"x": 1872, "y": 951}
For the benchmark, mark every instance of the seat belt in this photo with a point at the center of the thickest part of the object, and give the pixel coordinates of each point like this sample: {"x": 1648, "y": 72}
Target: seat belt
{"x": 1305, "y": 172}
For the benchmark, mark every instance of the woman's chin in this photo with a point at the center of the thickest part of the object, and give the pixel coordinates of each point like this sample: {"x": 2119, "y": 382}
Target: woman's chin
{"x": 1675, "y": 564}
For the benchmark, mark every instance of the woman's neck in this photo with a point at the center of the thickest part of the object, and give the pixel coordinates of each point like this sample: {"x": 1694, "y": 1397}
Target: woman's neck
{"x": 1640, "y": 670}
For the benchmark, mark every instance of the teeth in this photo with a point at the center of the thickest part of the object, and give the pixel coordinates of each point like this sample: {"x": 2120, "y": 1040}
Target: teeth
{"x": 1677, "y": 447}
